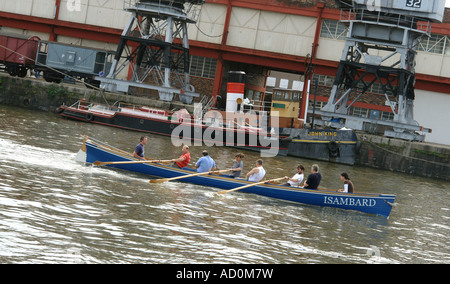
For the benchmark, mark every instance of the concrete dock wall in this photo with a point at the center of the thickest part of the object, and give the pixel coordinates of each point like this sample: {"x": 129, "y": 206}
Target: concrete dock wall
{"x": 415, "y": 158}
{"x": 37, "y": 94}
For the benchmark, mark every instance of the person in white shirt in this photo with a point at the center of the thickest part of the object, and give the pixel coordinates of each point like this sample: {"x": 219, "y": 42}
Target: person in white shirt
{"x": 296, "y": 179}
{"x": 257, "y": 173}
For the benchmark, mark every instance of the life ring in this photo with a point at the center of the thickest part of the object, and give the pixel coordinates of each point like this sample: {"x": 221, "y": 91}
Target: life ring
{"x": 89, "y": 117}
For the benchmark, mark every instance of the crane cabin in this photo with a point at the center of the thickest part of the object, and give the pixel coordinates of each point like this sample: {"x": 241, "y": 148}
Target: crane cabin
{"x": 286, "y": 105}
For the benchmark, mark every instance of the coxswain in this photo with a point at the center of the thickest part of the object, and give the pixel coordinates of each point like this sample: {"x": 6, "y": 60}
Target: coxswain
{"x": 348, "y": 184}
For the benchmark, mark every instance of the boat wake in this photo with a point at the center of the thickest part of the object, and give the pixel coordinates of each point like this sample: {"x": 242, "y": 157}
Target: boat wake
{"x": 22, "y": 156}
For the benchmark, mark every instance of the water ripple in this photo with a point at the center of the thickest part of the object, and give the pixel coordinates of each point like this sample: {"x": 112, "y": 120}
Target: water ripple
{"x": 55, "y": 210}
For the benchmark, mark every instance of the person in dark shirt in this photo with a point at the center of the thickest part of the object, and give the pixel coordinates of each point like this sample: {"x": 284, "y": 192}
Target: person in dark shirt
{"x": 314, "y": 178}
{"x": 139, "y": 150}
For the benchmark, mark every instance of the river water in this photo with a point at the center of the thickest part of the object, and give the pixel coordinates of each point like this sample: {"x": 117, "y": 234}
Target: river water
{"x": 56, "y": 210}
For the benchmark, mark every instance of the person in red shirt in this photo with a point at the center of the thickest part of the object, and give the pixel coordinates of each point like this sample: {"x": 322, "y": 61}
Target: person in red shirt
{"x": 184, "y": 159}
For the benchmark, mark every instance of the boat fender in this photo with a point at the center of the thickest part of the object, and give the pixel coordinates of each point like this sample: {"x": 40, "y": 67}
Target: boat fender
{"x": 89, "y": 117}
{"x": 333, "y": 148}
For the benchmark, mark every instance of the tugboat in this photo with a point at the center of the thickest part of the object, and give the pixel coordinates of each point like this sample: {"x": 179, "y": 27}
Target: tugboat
{"x": 332, "y": 145}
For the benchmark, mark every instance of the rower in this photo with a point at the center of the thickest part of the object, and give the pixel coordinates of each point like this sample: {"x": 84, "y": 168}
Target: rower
{"x": 205, "y": 163}
{"x": 237, "y": 166}
{"x": 257, "y": 173}
{"x": 184, "y": 159}
{"x": 296, "y": 180}
{"x": 139, "y": 150}
{"x": 314, "y": 178}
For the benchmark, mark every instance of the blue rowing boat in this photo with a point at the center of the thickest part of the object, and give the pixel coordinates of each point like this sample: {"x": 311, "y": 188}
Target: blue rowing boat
{"x": 377, "y": 204}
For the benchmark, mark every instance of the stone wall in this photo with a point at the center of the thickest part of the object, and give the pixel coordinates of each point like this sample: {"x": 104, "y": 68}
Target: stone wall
{"x": 38, "y": 94}
{"x": 415, "y": 158}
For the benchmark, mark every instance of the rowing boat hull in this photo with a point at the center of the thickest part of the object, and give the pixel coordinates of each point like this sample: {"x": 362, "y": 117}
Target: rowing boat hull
{"x": 377, "y": 204}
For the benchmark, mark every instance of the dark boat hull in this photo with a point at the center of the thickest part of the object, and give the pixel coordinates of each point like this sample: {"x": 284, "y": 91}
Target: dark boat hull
{"x": 340, "y": 146}
{"x": 190, "y": 132}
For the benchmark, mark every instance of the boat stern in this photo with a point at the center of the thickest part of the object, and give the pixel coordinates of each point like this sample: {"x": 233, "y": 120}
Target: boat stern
{"x": 82, "y": 155}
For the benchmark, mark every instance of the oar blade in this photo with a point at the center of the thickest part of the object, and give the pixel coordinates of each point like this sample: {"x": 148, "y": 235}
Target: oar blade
{"x": 98, "y": 163}
{"x": 158, "y": 180}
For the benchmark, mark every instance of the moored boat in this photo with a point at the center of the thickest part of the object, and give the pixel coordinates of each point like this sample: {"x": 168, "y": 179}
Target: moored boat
{"x": 331, "y": 145}
{"x": 180, "y": 125}
{"x": 377, "y": 204}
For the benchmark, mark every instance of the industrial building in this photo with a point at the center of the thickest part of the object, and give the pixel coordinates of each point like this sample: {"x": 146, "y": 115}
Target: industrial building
{"x": 274, "y": 42}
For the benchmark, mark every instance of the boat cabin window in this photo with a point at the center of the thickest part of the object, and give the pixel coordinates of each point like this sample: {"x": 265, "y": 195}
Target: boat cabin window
{"x": 281, "y": 95}
{"x": 278, "y": 95}
{"x": 286, "y": 95}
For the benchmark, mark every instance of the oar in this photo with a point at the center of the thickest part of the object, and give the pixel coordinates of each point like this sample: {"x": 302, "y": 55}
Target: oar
{"x": 186, "y": 176}
{"x": 97, "y": 163}
{"x": 249, "y": 185}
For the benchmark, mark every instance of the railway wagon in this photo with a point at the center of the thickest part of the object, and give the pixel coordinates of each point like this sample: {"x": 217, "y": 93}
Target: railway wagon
{"x": 57, "y": 60}
{"x": 17, "y": 53}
